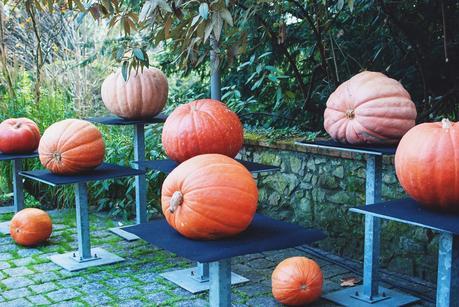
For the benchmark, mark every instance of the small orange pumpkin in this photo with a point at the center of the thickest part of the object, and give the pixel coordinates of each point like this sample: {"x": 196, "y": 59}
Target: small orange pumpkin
{"x": 143, "y": 95}
{"x": 209, "y": 197}
{"x": 297, "y": 281}
{"x": 369, "y": 108}
{"x": 71, "y": 146}
{"x": 30, "y": 227}
{"x": 202, "y": 127}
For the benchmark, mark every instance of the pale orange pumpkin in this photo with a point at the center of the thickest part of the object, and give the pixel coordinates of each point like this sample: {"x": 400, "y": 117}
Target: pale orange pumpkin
{"x": 71, "y": 146}
{"x": 30, "y": 227}
{"x": 369, "y": 108}
{"x": 297, "y": 281}
{"x": 143, "y": 95}
{"x": 209, "y": 197}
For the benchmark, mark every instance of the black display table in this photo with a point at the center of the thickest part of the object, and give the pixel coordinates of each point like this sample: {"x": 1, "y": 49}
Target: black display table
{"x": 408, "y": 211}
{"x": 264, "y": 234}
{"x": 85, "y": 256}
{"x": 18, "y": 192}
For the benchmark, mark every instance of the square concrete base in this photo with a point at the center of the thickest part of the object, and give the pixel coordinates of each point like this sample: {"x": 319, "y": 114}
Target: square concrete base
{"x": 5, "y": 228}
{"x": 8, "y": 209}
{"x": 124, "y": 234}
{"x": 353, "y": 297}
{"x": 184, "y": 278}
{"x": 70, "y": 261}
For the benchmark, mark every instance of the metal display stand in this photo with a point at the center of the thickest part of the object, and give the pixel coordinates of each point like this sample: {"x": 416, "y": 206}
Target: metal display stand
{"x": 139, "y": 155}
{"x": 410, "y": 212}
{"x": 18, "y": 192}
{"x": 85, "y": 256}
{"x": 370, "y": 293}
{"x": 196, "y": 279}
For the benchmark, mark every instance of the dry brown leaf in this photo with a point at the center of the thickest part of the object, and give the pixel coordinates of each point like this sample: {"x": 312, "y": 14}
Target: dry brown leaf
{"x": 350, "y": 281}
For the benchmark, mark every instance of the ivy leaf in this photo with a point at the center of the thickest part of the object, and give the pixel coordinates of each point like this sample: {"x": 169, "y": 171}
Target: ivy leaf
{"x": 124, "y": 70}
{"x": 204, "y": 10}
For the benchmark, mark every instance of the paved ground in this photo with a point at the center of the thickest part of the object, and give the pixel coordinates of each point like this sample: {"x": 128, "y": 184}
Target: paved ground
{"x": 27, "y": 277}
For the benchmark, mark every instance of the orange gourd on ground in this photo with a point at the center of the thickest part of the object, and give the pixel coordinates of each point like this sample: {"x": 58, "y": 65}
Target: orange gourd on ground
{"x": 71, "y": 146}
{"x": 209, "y": 197}
{"x": 201, "y": 127}
{"x": 19, "y": 135}
{"x": 427, "y": 163}
{"x": 369, "y": 108}
{"x": 30, "y": 227}
{"x": 142, "y": 96}
{"x": 297, "y": 281}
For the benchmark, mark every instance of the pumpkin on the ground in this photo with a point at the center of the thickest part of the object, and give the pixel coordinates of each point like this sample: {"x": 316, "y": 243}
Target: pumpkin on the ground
{"x": 71, "y": 146}
{"x": 19, "y": 135}
{"x": 427, "y": 164}
{"x": 201, "y": 127}
{"x": 297, "y": 281}
{"x": 143, "y": 95}
{"x": 30, "y": 227}
{"x": 209, "y": 197}
{"x": 369, "y": 108}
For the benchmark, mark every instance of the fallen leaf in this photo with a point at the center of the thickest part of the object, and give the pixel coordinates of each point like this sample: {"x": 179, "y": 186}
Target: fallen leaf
{"x": 350, "y": 281}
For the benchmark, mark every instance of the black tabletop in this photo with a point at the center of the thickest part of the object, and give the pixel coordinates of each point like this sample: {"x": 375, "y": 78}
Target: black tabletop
{"x": 118, "y": 121}
{"x": 263, "y": 234}
{"x": 367, "y": 149}
{"x": 167, "y": 166}
{"x": 4, "y": 156}
{"x": 102, "y": 172}
{"x": 408, "y": 211}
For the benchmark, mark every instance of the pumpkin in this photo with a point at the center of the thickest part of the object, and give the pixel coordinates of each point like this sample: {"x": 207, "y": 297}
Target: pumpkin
{"x": 30, "y": 227}
{"x": 201, "y": 127}
{"x": 297, "y": 281}
{"x": 19, "y": 135}
{"x": 143, "y": 95}
{"x": 71, "y": 146}
{"x": 426, "y": 163}
{"x": 208, "y": 197}
{"x": 369, "y": 108}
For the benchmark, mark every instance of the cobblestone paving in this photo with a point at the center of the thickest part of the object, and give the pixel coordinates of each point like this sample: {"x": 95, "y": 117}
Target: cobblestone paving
{"x": 28, "y": 278}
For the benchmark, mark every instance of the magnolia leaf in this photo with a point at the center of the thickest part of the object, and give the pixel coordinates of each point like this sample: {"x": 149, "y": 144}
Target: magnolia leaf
{"x": 164, "y": 5}
{"x": 195, "y": 20}
{"x": 146, "y": 11}
{"x": 167, "y": 27}
{"x": 138, "y": 53}
{"x": 124, "y": 70}
{"x": 226, "y": 15}
{"x": 207, "y": 31}
{"x": 350, "y": 281}
{"x": 204, "y": 10}
{"x": 340, "y": 4}
{"x": 217, "y": 22}
{"x": 120, "y": 53}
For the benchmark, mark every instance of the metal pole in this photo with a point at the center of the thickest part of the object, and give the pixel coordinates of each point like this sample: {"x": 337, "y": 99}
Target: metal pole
{"x": 448, "y": 271}
{"x": 372, "y": 228}
{"x": 82, "y": 216}
{"x": 18, "y": 189}
{"x": 140, "y": 181}
{"x": 220, "y": 283}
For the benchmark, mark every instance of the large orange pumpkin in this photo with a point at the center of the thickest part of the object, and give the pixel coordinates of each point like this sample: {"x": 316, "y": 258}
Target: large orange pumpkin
{"x": 30, "y": 227}
{"x": 369, "y": 108}
{"x": 427, "y": 162}
{"x": 297, "y": 281}
{"x": 201, "y": 127}
{"x": 71, "y": 146}
{"x": 19, "y": 135}
{"x": 143, "y": 95}
{"x": 209, "y": 197}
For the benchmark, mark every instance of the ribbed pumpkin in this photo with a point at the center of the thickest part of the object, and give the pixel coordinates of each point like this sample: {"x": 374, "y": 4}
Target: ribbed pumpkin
{"x": 209, "y": 197}
{"x": 369, "y": 108}
{"x": 19, "y": 135}
{"x": 297, "y": 281}
{"x": 143, "y": 95}
{"x": 30, "y": 227}
{"x": 427, "y": 164}
{"x": 71, "y": 146}
{"x": 201, "y": 127}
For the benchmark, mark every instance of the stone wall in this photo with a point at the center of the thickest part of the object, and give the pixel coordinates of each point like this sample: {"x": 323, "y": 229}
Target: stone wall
{"x": 316, "y": 187}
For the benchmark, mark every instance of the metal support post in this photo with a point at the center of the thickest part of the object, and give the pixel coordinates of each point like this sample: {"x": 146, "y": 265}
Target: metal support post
{"x": 18, "y": 187}
{"x": 140, "y": 181}
{"x": 448, "y": 271}
{"x": 202, "y": 272}
{"x": 82, "y": 216}
{"x": 220, "y": 283}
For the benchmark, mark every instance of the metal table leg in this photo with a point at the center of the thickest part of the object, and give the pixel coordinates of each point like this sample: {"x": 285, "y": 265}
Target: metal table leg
{"x": 220, "y": 283}
{"x": 448, "y": 271}
{"x": 140, "y": 185}
{"x": 18, "y": 196}
{"x": 370, "y": 294}
{"x": 85, "y": 256}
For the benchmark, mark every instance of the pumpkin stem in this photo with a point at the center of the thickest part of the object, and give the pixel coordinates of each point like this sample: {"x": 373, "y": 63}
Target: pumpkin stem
{"x": 57, "y": 156}
{"x": 17, "y": 126}
{"x": 350, "y": 114}
{"x": 176, "y": 200}
{"x": 446, "y": 124}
